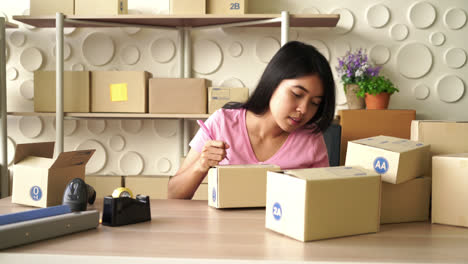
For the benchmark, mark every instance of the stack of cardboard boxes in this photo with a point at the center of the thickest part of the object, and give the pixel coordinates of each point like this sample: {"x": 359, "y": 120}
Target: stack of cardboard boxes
{"x": 201, "y": 7}
{"x": 132, "y": 92}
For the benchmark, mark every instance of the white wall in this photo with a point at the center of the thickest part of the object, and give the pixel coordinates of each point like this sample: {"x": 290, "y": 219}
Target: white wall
{"x": 428, "y": 65}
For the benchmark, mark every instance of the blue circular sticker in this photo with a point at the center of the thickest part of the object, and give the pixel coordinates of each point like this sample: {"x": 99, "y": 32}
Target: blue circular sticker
{"x": 381, "y": 165}
{"x": 36, "y": 193}
{"x": 277, "y": 211}
{"x": 213, "y": 194}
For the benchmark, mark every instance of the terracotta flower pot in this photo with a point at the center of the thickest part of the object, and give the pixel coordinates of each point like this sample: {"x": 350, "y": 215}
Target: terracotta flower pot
{"x": 354, "y": 102}
{"x": 377, "y": 101}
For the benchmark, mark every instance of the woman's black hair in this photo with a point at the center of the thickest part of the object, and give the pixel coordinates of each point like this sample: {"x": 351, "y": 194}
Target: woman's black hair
{"x": 294, "y": 60}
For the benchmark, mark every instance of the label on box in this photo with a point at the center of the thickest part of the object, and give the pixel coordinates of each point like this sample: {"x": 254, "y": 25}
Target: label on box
{"x": 220, "y": 94}
{"x": 118, "y": 92}
{"x": 36, "y": 193}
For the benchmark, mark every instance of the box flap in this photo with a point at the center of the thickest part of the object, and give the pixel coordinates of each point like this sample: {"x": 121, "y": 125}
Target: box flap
{"x": 37, "y": 162}
{"x": 390, "y": 143}
{"x": 73, "y": 158}
{"x": 329, "y": 173}
{"x": 42, "y": 149}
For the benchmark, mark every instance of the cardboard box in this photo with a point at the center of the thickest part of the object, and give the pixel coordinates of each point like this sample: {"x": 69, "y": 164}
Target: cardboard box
{"x": 219, "y": 96}
{"x": 227, "y": 7}
{"x": 104, "y": 185}
{"x": 201, "y": 193}
{"x": 155, "y": 187}
{"x": 445, "y": 137}
{"x": 39, "y": 179}
{"x": 101, "y": 7}
{"x": 178, "y": 95}
{"x": 119, "y": 91}
{"x": 449, "y": 189}
{"x": 406, "y": 202}
{"x": 187, "y": 7}
{"x": 357, "y": 124}
{"x": 320, "y": 203}
{"x": 76, "y": 89}
{"x": 397, "y": 160}
{"x": 50, "y": 7}
{"x": 235, "y": 186}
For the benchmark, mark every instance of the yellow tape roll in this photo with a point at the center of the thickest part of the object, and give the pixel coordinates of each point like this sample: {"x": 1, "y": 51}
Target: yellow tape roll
{"x": 122, "y": 192}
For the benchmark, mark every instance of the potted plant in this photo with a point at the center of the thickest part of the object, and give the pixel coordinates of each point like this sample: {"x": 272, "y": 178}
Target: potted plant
{"x": 377, "y": 91}
{"x": 353, "y": 68}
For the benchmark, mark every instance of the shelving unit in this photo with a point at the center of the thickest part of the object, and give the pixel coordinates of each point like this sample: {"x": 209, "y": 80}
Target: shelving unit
{"x": 3, "y": 108}
{"x": 184, "y": 24}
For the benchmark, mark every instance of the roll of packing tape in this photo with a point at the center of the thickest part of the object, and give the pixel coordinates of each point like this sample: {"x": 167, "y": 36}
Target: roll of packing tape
{"x": 122, "y": 192}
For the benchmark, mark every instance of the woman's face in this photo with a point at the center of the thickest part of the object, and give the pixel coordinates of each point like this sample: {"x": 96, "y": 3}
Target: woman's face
{"x": 295, "y": 101}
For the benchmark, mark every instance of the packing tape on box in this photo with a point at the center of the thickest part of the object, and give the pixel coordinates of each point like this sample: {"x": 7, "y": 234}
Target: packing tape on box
{"x": 122, "y": 192}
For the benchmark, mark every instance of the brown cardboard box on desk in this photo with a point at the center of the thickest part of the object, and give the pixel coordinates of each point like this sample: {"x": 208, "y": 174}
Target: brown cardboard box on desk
{"x": 445, "y": 137}
{"x": 219, "y": 96}
{"x": 320, "y": 203}
{"x": 51, "y": 7}
{"x": 101, "y": 7}
{"x": 119, "y": 91}
{"x": 406, "y": 202}
{"x": 449, "y": 189}
{"x": 236, "y": 186}
{"x": 227, "y": 7}
{"x": 357, "y": 124}
{"x": 397, "y": 160}
{"x": 178, "y": 95}
{"x": 39, "y": 179}
{"x": 76, "y": 90}
{"x": 187, "y": 7}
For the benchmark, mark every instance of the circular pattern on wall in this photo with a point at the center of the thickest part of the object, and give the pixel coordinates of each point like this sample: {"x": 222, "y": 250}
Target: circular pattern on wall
{"x": 31, "y": 59}
{"x": 11, "y": 149}
{"x": 132, "y": 126}
{"x": 66, "y": 51}
{"x": 131, "y": 163}
{"x": 77, "y": 67}
{"x": 162, "y": 50}
{"x": 207, "y": 56}
{"x": 266, "y": 47}
{"x": 437, "y": 38}
{"x": 346, "y": 22}
{"x": 399, "y": 32}
{"x": 98, "y": 49}
{"x": 232, "y": 82}
{"x": 320, "y": 46}
{"x": 164, "y": 165}
{"x": 69, "y": 126}
{"x": 27, "y": 89}
{"x": 117, "y": 143}
{"x": 235, "y": 49}
{"x": 421, "y": 92}
{"x": 414, "y": 60}
{"x": 12, "y": 73}
{"x": 341, "y": 47}
{"x": 379, "y": 54}
{"x": 99, "y": 158}
{"x": 96, "y": 126}
{"x": 377, "y": 16}
{"x": 455, "y": 58}
{"x": 165, "y": 128}
{"x": 422, "y": 14}
{"x": 30, "y": 126}
{"x": 17, "y": 38}
{"x": 455, "y": 18}
{"x": 450, "y": 88}
{"x": 130, "y": 55}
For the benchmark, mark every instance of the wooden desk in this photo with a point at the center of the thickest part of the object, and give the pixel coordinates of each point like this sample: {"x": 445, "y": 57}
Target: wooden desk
{"x": 181, "y": 230}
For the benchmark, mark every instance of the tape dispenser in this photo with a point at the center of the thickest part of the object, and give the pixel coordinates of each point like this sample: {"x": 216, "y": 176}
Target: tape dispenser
{"x": 122, "y": 209}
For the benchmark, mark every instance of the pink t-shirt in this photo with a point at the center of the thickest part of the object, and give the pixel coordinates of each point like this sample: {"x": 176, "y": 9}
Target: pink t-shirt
{"x": 302, "y": 149}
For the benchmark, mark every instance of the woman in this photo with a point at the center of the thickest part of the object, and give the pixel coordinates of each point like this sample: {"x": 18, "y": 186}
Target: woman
{"x": 281, "y": 123}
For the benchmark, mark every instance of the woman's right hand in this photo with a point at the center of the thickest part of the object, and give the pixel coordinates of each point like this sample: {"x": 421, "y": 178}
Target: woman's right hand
{"x": 213, "y": 152}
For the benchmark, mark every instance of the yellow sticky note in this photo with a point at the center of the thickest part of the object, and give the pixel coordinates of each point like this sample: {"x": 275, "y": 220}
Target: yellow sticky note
{"x": 118, "y": 92}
